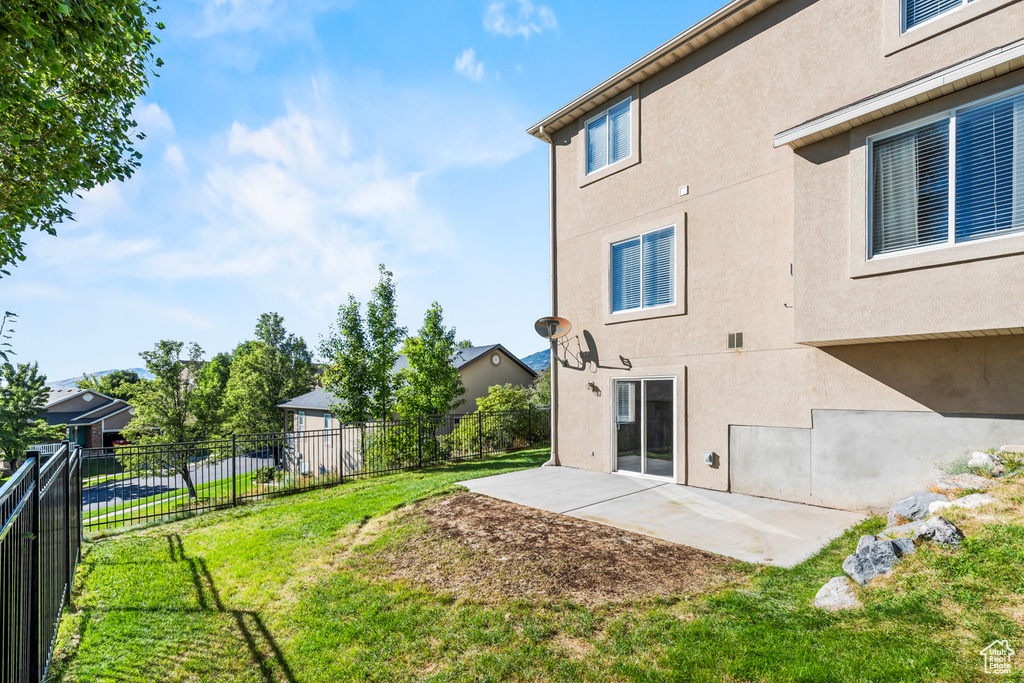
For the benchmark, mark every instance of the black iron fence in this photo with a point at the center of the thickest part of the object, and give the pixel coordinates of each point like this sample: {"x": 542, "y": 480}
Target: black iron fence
{"x": 140, "y": 483}
{"x": 40, "y": 544}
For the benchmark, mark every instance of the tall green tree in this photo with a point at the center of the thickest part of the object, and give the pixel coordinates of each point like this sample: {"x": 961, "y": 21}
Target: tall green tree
{"x": 540, "y": 390}
{"x": 23, "y": 398}
{"x": 431, "y": 385}
{"x": 273, "y": 368}
{"x": 70, "y": 73}
{"x": 347, "y": 374}
{"x": 116, "y": 384}
{"x": 172, "y": 408}
{"x": 385, "y": 336}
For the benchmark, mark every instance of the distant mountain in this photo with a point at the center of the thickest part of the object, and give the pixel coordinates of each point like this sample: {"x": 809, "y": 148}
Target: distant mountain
{"x": 70, "y": 383}
{"x": 539, "y": 361}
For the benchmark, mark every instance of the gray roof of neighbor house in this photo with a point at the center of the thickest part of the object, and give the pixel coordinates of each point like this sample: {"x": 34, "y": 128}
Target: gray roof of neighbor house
{"x": 103, "y": 406}
{"x": 463, "y": 357}
{"x": 61, "y": 395}
{"x": 318, "y": 399}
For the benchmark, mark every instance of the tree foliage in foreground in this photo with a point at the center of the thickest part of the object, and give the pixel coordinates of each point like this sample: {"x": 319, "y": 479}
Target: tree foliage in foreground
{"x": 431, "y": 385}
{"x": 180, "y": 404}
{"x": 116, "y": 384}
{"x": 23, "y": 398}
{"x": 361, "y": 358}
{"x": 274, "y": 368}
{"x": 70, "y": 73}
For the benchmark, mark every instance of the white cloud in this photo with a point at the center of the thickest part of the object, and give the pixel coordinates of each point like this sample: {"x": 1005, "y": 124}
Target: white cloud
{"x": 176, "y": 158}
{"x": 524, "y": 19}
{"x": 467, "y": 65}
{"x": 153, "y": 119}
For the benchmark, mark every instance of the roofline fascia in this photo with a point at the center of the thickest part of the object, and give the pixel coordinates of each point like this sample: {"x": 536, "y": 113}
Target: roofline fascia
{"x": 508, "y": 353}
{"x": 542, "y": 129}
{"x": 80, "y": 392}
{"x": 105, "y": 405}
{"x": 921, "y": 90}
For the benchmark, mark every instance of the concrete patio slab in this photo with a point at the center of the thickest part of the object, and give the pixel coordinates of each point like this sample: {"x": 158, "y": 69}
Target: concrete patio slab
{"x": 747, "y": 528}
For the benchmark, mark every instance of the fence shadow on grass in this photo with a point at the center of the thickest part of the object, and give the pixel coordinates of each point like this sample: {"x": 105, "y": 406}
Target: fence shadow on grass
{"x": 262, "y": 647}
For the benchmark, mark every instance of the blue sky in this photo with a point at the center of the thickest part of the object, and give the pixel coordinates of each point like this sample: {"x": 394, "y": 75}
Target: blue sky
{"x": 295, "y": 144}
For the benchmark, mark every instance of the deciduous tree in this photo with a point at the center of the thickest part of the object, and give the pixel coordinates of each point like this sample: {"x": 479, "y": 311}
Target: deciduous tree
{"x": 70, "y": 73}
{"x": 23, "y": 398}
{"x": 431, "y": 385}
{"x": 116, "y": 384}
{"x": 347, "y": 374}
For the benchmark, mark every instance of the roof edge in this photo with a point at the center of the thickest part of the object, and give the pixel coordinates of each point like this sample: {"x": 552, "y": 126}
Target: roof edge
{"x": 593, "y": 96}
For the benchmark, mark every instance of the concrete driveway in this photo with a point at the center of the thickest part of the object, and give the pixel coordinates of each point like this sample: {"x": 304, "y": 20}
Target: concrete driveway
{"x": 744, "y": 527}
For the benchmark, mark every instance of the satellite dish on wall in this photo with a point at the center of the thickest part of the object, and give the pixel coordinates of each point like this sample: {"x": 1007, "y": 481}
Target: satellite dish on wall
{"x": 553, "y": 327}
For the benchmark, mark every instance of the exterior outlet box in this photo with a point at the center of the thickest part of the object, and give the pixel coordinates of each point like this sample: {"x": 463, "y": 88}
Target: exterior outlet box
{"x": 591, "y": 454}
{"x": 684, "y": 190}
{"x": 709, "y": 458}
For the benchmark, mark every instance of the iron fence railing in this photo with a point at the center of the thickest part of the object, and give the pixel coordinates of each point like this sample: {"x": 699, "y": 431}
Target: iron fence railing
{"x": 40, "y": 544}
{"x": 131, "y": 484}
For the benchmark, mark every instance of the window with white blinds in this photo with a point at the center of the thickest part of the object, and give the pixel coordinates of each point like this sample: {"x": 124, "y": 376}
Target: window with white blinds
{"x": 917, "y": 12}
{"x": 625, "y": 402}
{"x": 950, "y": 181}
{"x": 608, "y": 137}
{"x": 644, "y": 271}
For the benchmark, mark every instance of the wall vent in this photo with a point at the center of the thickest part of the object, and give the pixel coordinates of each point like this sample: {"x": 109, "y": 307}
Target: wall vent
{"x": 735, "y": 340}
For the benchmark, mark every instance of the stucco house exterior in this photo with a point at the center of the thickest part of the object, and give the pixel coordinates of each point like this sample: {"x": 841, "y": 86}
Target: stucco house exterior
{"x": 93, "y": 420}
{"x": 791, "y": 245}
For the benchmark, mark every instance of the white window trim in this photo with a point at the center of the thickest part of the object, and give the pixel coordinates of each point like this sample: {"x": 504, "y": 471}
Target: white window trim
{"x": 608, "y": 130}
{"x": 950, "y": 115}
{"x": 585, "y": 175}
{"x": 643, "y": 432}
{"x": 675, "y": 271}
{"x": 903, "y": 15}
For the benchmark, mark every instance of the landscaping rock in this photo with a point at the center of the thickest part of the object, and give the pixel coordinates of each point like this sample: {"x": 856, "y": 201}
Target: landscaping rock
{"x": 864, "y": 540}
{"x": 874, "y": 559}
{"x": 903, "y": 546}
{"x": 1010, "y": 449}
{"x": 901, "y": 530}
{"x": 837, "y": 595}
{"x": 987, "y": 461}
{"x": 975, "y": 500}
{"x": 956, "y": 482}
{"x": 940, "y": 530}
{"x": 914, "y": 507}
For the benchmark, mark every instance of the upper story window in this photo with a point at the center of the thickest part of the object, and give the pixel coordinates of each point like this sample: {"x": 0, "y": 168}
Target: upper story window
{"x": 644, "y": 271}
{"x": 916, "y": 12}
{"x": 950, "y": 180}
{"x": 608, "y": 136}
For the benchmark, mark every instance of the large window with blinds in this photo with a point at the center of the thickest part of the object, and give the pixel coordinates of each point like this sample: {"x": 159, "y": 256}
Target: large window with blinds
{"x": 608, "y": 136}
{"x": 644, "y": 271}
{"x": 956, "y": 179}
{"x": 917, "y": 12}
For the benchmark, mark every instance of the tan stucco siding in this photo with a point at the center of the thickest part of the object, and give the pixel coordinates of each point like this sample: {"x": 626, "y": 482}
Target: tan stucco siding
{"x": 482, "y": 374}
{"x": 708, "y": 122}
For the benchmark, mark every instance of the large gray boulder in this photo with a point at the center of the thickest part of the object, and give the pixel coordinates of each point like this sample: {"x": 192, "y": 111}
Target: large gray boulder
{"x": 958, "y": 482}
{"x": 837, "y": 595}
{"x": 940, "y": 530}
{"x": 1010, "y": 448}
{"x": 975, "y": 500}
{"x": 874, "y": 559}
{"x": 864, "y": 540}
{"x": 914, "y": 507}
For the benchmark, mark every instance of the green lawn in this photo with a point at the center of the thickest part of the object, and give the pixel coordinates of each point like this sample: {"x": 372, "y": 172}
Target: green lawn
{"x": 271, "y": 592}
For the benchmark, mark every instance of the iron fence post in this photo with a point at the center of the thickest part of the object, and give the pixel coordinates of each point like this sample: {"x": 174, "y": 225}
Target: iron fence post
{"x": 34, "y": 606}
{"x": 67, "y": 518}
{"x": 234, "y": 474}
{"x": 419, "y": 438}
{"x": 480, "y": 433}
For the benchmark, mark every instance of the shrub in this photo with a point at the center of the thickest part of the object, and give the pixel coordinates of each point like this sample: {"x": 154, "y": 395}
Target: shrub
{"x": 265, "y": 475}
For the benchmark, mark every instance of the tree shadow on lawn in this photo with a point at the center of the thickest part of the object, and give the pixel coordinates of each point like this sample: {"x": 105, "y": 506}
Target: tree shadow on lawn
{"x": 262, "y": 648}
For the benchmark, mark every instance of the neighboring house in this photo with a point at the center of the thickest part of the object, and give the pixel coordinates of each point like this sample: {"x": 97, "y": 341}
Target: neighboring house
{"x": 483, "y": 367}
{"x": 93, "y": 420}
{"x": 791, "y": 245}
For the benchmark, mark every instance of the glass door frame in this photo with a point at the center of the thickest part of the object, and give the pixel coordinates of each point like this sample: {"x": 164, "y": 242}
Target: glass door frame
{"x": 643, "y": 431}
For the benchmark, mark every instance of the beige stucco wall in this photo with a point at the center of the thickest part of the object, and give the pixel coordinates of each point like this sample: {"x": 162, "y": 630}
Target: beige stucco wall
{"x": 708, "y": 122}
{"x": 480, "y": 375}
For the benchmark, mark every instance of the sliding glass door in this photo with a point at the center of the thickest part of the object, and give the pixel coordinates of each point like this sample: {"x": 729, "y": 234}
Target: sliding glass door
{"x": 644, "y": 426}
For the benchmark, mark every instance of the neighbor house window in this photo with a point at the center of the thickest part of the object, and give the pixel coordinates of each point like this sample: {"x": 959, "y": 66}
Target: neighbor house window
{"x": 302, "y": 421}
{"x": 608, "y": 137}
{"x": 644, "y": 271}
{"x": 916, "y": 12}
{"x": 327, "y": 426}
{"x": 949, "y": 181}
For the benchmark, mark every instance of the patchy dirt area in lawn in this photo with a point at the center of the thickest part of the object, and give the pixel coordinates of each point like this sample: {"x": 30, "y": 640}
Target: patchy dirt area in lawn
{"x": 479, "y": 547}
